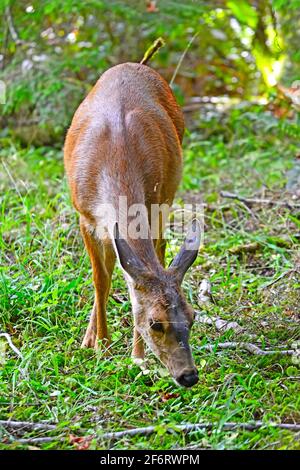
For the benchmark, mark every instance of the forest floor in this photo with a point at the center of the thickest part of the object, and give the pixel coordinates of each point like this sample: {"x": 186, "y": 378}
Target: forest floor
{"x": 250, "y": 255}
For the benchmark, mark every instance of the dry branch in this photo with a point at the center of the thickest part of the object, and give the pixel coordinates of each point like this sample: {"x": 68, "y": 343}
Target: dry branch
{"x": 281, "y": 276}
{"x": 246, "y": 248}
{"x": 11, "y": 27}
{"x": 220, "y": 325}
{"x": 145, "y": 431}
{"x": 158, "y": 43}
{"x": 182, "y": 57}
{"x": 13, "y": 347}
{"x": 27, "y": 425}
{"x": 38, "y": 440}
{"x": 250, "y": 201}
{"x": 201, "y": 427}
{"x": 252, "y": 348}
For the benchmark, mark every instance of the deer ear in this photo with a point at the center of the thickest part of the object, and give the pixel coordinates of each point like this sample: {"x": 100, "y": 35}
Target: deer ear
{"x": 188, "y": 252}
{"x": 128, "y": 259}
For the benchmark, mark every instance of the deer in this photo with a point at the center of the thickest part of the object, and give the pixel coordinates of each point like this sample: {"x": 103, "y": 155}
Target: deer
{"x": 125, "y": 141}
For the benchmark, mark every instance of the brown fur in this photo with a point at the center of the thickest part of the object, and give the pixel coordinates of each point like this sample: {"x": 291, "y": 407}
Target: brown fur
{"x": 125, "y": 139}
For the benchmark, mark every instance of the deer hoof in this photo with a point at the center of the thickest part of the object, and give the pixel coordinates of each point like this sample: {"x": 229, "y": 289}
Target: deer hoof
{"x": 89, "y": 341}
{"x": 138, "y": 361}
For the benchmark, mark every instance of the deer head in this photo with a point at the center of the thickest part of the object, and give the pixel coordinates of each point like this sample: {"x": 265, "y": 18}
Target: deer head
{"x": 162, "y": 315}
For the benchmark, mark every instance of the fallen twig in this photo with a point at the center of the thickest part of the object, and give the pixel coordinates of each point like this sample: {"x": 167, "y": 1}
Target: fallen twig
{"x": 38, "y": 440}
{"x": 182, "y": 57}
{"x": 205, "y": 297}
{"x": 186, "y": 428}
{"x": 282, "y": 275}
{"x": 27, "y": 425}
{"x": 250, "y": 211}
{"x": 250, "y": 201}
{"x": 158, "y": 43}
{"x": 13, "y": 347}
{"x": 199, "y": 427}
{"x": 252, "y": 348}
{"x": 11, "y": 27}
{"x": 204, "y": 293}
{"x": 221, "y": 325}
{"x": 246, "y": 248}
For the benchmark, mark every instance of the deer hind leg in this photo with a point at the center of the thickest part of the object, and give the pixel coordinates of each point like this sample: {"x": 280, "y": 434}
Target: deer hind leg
{"x": 102, "y": 258}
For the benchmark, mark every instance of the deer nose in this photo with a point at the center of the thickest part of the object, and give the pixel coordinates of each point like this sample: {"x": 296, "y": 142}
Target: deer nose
{"x": 188, "y": 379}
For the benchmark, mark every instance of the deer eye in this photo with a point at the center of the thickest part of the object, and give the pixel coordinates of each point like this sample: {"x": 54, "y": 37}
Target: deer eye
{"x": 156, "y": 326}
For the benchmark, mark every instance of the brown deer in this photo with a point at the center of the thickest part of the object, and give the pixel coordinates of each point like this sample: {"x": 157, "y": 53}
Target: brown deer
{"x": 125, "y": 141}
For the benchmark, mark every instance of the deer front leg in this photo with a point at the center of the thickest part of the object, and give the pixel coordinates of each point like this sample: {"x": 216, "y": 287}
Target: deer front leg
{"x": 138, "y": 352}
{"x": 89, "y": 340}
{"x": 102, "y": 258}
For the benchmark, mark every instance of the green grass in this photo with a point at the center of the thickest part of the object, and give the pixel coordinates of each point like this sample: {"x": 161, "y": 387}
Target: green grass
{"x": 46, "y": 297}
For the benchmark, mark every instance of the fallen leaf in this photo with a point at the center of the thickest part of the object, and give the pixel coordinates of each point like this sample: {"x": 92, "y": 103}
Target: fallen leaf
{"x": 169, "y": 396}
{"x": 223, "y": 325}
{"x": 80, "y": 442}
{"x": 292, "y": 93}
{"x": 246, "y": 248}
{"x": 204, "y": 294}
{"x": 152, "y": 7}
